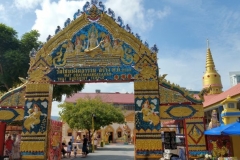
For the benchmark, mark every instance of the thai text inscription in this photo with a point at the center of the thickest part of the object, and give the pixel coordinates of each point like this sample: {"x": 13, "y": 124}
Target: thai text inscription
{"x": 94, "y": 73}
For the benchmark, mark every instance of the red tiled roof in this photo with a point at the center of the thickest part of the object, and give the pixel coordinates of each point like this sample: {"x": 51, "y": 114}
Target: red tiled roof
{"x": 212, "y": 99}
{"x": 116, "y": 98}
{"x": 125, "y": 98}
{"x": 196, "y": 96}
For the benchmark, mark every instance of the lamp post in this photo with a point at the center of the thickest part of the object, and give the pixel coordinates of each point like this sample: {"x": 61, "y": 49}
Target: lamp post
{"x": 93, "y": 117}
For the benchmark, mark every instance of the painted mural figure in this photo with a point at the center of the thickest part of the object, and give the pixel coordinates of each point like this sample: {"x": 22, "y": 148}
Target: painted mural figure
{"x": 69, "y": 49}
{"x": 117, "y": 48}
{"x": 106, "y": 43}
{"x": 195, "y": 135}
{"x": 93, "y": 47}
{"x": 55, "y": 140}
{"x": 92, "y": 38}
{"x": 33, "y": 118}
{"x": 79, "y": 45}
{"x": 92, "y": 41}
{"x": 149, "y": 115}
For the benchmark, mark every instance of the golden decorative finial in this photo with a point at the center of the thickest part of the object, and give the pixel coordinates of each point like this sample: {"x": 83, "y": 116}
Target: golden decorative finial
{"x": 211, "y": 76}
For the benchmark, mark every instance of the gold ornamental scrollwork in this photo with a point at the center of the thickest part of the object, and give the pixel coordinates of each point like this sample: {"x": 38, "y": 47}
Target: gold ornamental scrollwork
{"x": 149, "y": 144}
{"x": 146, "y": 85}
{"x": 32, "y": 146}
{"x": 39, "y": 74}
{"x": 148, "y": 70}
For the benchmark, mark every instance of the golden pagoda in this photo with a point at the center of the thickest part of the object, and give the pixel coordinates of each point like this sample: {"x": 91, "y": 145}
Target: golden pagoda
{"x": 211, "y": 76}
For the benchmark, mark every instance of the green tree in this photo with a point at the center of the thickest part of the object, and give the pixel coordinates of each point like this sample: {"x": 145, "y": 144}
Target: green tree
{"x": 9, "y": 46}
{"x": 14, "y": 60}
{"x": 79, "y": 116}
{"x": 68, "y": 90}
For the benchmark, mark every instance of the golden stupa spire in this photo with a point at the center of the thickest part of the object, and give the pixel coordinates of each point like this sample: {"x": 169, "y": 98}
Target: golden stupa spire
{"x": 211, "y": 76}
{"x": 209, "y": 60}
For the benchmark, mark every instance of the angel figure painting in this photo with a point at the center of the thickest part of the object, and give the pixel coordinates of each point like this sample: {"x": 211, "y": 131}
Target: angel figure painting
{"x": 33, "y": 118}
{"x": 149, "y": 115}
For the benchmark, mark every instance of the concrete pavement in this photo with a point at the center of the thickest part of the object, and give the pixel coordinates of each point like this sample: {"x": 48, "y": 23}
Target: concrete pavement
{"x": 109, "y": 152}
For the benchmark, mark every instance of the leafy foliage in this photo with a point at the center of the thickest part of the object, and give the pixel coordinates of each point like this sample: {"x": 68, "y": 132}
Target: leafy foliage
{"x": 14, "y": 60}
{"x": 79, "y": 116}
{"x": 69, "y": 90}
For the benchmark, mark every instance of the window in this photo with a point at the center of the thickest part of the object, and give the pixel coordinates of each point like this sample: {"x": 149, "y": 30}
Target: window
{"x": 129, "y": 134}
{"x": 238, "y": 104}
{"x": 69, "y": 132}
{"x": 119, "y": 133}
{"x": 231, "y": 105}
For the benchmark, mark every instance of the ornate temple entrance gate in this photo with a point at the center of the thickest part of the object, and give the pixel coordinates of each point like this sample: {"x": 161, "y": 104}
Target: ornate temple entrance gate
{"x": 93, "y": 48}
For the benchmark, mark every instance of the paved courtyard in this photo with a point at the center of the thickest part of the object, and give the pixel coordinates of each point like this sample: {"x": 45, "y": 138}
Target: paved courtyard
{"x": 110, "y": 152}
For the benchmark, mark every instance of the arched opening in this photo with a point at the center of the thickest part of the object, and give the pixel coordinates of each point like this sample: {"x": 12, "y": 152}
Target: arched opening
{"x": 109, "y": 134}
{"x": 119, "y": 132}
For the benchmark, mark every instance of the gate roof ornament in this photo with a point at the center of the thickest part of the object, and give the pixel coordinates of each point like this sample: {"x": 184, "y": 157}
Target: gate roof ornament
{"x": 93, "y": 39}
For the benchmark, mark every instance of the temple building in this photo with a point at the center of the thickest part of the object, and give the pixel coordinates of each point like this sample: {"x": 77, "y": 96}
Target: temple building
{"x": 220, "y": 108}
{"x": 213, "y": 99}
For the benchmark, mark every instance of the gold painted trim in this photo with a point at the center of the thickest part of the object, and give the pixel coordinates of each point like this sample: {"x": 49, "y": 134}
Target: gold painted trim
{"x": 31, "y": 157}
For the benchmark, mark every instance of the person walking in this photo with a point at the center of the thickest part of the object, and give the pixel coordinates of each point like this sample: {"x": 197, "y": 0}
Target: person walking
{"x": 84, "y": 147}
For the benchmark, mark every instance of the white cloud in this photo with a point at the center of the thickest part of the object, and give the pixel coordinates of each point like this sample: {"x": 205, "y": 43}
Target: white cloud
{"x": 134, "y": 13}
{"x": 3, "y": 16}
{"x": 27, "y": 4}
{"x": 1, "y": 8}
{"x": 53, "y": 14}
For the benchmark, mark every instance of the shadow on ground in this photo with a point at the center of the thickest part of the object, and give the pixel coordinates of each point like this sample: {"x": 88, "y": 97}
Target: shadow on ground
{"x": 115, "y": 149}
{"x": 104, "y": 157}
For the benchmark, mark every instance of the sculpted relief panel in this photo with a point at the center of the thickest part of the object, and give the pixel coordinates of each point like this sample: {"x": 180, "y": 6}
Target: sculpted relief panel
{"x": 91, "y": 46}
{"x": 93, "y": 54}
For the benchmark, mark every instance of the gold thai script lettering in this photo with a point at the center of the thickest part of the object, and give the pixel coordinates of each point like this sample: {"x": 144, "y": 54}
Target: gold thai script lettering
{"x": 78, "y": 74}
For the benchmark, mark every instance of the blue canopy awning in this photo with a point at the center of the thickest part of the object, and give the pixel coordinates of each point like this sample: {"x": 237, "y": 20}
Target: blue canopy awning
{"x": 230, "y": 129}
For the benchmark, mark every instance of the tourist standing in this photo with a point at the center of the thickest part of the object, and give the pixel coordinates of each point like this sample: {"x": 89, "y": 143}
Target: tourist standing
{"x": 71, "y": 143}
{"x": 9, "y": 145}
{"x": 63, "y": 150}
{"x": 84, "y": 147}
{"x": 69, "y": 149}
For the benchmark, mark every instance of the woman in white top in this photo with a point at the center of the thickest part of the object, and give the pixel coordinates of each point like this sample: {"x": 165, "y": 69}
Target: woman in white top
{"x": 69, "y": 149}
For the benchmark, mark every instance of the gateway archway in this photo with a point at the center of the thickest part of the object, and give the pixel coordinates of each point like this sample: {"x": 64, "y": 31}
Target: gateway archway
{"x": 93, "y": 48}
{"x": 96, "y": 47}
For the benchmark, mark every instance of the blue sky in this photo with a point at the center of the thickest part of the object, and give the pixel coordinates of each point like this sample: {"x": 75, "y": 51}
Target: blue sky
{"x": 180, "y": 29}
